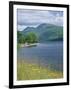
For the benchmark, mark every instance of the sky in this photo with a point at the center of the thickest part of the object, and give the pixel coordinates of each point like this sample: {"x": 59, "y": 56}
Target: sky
{"x": 33, "y": 18}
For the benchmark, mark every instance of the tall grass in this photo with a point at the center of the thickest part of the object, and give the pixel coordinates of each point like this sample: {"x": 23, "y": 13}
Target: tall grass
{"x": 26, "y": 71}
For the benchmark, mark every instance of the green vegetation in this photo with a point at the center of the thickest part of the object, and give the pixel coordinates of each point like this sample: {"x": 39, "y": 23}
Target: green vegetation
{"x": 46, "y": 32}
{"x": 31, "y": 38}
{"x": 18, "y": 45}
{"x": 28, "y": 38}
{"x": 27, "y": 71}
{"x": 20, "y": 37}
{"x": 42, "y": 33}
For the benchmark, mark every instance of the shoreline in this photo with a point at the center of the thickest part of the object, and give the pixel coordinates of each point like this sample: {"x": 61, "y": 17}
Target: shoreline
{"x": 28, "y": 45}
{"x": 35, "y": 44}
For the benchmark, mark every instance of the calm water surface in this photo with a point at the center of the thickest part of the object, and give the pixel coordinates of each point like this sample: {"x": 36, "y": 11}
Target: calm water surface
{"x": 45, "y": 54}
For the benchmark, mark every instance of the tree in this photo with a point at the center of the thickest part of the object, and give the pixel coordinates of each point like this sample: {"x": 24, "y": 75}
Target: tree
{"x": 31, "y": 38}
{"x": 20, "y": 37}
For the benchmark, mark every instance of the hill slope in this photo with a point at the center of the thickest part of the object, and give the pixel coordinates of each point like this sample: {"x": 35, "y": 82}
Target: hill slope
{"x": 46, "y": 32}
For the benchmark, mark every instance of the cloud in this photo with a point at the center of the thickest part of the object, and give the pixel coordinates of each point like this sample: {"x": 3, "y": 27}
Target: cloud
{"x": 36, "y": 17}
{"x": 21, "y": 27}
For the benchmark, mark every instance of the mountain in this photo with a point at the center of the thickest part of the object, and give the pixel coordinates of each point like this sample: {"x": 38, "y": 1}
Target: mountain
{"x": 46, "y": 32}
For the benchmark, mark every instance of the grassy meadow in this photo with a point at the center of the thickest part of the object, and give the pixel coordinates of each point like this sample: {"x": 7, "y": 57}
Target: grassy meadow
{"x": 28, "y": 71}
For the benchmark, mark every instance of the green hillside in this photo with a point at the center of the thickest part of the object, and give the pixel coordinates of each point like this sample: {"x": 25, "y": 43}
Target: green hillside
{"x": 46, "y": 32}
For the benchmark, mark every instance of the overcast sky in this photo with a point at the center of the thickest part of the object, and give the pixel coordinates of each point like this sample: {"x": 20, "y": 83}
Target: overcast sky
{"x": 33, "y": 18}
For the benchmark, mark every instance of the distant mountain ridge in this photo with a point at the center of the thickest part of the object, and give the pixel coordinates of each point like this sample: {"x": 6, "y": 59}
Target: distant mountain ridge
{"x": 46, "y": 32}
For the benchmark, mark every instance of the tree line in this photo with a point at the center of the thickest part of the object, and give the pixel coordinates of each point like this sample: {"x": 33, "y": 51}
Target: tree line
{"x": 31, "y": 37}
